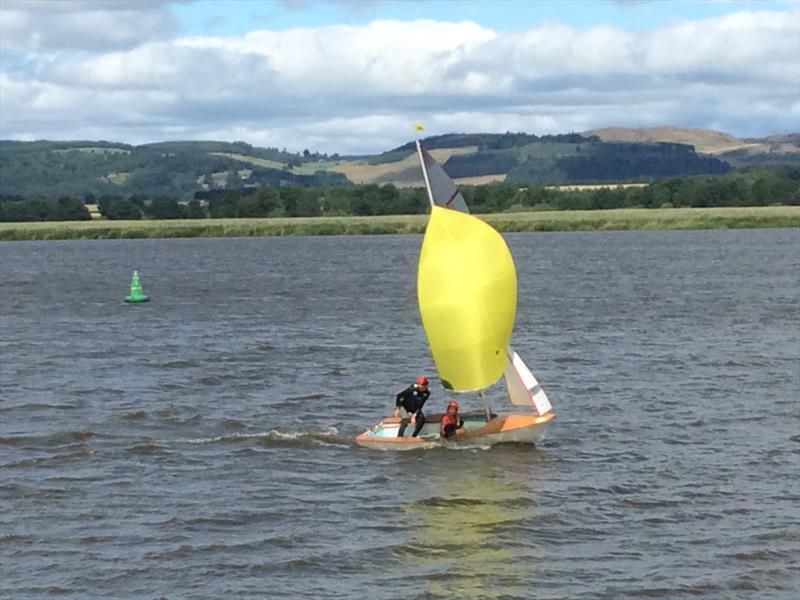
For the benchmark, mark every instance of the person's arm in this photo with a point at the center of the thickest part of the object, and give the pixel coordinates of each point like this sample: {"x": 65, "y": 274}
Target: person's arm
{"x": 397, "y": 402}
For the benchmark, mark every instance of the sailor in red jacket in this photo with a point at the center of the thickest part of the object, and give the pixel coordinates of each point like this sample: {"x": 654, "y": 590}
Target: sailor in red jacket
{"x": 451, "y": 423}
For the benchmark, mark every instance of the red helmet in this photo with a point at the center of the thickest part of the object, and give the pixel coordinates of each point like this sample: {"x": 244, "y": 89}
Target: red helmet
{"x": 422, "y": 380}
{"x": 452, "y": 403}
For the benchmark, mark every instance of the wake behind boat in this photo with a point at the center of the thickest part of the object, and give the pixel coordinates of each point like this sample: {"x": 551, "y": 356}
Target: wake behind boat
{"x": 467, "y": 294}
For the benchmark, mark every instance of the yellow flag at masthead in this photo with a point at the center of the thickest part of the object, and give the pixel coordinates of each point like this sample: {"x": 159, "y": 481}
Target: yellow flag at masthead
{"x": 418, "y": 127}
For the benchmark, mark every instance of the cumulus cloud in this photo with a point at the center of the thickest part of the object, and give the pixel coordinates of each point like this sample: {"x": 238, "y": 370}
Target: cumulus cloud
{"x": 357, "y": 89}
{"x": 385, "y": 57}
{"x": 48, "y": 25}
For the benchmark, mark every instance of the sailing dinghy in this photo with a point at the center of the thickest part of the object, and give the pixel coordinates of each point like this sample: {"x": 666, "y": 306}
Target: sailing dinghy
{"x": 467, "y": 293}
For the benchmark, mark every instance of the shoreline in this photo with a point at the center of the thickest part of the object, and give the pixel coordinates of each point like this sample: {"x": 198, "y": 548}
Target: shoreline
{"x": 585, "y": 220}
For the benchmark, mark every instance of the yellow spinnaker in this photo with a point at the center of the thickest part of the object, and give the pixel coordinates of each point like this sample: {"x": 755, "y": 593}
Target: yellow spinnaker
{"x": 467, "y": 291}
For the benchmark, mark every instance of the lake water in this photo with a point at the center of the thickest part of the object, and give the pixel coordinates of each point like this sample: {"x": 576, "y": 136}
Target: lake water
{"x": 200, "y": 445}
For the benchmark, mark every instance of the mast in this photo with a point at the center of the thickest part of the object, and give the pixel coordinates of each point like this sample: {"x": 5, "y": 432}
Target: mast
{"x": 424, "y": 172}
{"x": 486, "y": 408}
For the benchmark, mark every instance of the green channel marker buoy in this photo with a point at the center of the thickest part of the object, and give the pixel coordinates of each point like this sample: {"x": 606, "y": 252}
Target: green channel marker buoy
{"x": 136, "y": 294}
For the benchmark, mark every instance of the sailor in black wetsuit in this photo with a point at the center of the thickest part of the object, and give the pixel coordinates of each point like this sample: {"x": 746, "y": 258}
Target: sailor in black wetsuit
{"x": 412, "y": 399}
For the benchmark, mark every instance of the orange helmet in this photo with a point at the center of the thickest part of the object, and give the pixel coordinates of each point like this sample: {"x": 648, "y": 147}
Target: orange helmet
{"x": 422, "y": 380}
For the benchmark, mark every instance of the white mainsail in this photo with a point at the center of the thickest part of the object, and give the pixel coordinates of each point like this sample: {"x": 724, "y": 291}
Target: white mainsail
{"x": 523, "y": 389}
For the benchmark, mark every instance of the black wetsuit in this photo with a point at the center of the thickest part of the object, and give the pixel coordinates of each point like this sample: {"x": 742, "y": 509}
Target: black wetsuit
{"x": 412, "y": 399}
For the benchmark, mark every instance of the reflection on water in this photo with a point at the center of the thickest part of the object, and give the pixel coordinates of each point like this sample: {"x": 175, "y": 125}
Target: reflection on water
{"x": 467, "y": 533}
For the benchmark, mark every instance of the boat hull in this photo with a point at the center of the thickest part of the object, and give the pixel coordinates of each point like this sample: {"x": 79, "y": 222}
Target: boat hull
{"x": 506, "y": 428}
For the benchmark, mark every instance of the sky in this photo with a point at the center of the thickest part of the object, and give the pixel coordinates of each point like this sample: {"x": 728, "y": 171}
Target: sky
{"x": 353, "y": 77}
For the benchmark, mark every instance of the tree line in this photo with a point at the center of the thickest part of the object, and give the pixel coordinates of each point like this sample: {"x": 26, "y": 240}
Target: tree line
{"x": 750, "y": 186}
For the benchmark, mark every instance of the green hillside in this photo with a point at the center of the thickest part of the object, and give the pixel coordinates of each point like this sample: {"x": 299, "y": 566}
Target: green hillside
{"x": 175, "y": 169}
{"x": 181, "y": 169}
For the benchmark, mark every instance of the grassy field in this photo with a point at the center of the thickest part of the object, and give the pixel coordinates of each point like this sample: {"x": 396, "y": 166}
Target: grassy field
{"x": 623, "y": 219}
{"x": 361, "y": 171}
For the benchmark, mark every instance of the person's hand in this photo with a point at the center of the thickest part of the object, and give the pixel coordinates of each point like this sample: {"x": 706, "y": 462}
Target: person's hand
{"x": 396, "y": 412}
{"x": 413, "y": 419}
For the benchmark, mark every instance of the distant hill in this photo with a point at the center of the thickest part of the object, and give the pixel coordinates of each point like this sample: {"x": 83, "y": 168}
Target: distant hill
{"x": 174, "y": 169}
{"x": 180, "y": 169}
{"x": 733, "y": 150}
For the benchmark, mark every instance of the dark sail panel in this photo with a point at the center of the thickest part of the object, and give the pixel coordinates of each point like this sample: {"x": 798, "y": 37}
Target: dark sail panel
{"x": 442, "y": 189}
